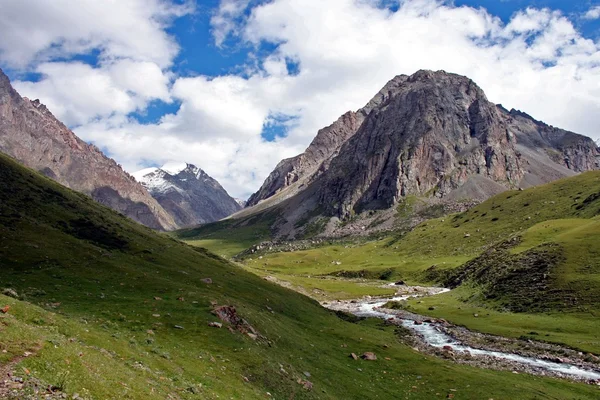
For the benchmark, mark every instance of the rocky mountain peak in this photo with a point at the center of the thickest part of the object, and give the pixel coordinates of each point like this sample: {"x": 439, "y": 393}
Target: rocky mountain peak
{"x": 188, "y": 193}
{"x": 433, "y": 133}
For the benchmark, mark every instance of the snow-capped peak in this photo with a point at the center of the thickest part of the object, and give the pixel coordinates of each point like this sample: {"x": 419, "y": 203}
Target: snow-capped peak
{"x": 241, "y": 202}
{"x": 174, "y": 167}
{"x": 139, "y": 175}
{"x": 157, "y": 180}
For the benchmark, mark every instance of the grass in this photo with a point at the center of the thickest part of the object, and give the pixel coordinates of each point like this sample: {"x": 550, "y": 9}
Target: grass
{"x": 229, "y": 237}
{"x": 101, "y": 300}
{"x": 577, "y": 330}
{"x": 562, "y": 216}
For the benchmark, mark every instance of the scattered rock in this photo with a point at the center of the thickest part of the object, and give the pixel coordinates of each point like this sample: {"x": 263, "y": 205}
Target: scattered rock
{"x": 180, "y": 299}
{"x": 229, "y": 315}
{"x": 307, "y": 385}
{"x": 10, "y": 293}
{"x": 417, "y": 323}
{"x": 448, "y": 348}
{"x": 215, "y": 324}
{"x": 5, "y": 309}
{"x": 206, "y": 280}
{"x": 157, "y": 298}
{"x": 369, "y": 356}
{"x": 476, "y": 315}
{"x": 399, "y": 283}
{"x": 354, "y": 356}
{"x": 178, "y": 327}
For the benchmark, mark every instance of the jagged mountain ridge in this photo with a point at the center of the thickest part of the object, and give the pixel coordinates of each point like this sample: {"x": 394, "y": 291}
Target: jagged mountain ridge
{"x": 434, "y": 135}
{"x": 33, "y": 136}
{"x": 187, "y": 193}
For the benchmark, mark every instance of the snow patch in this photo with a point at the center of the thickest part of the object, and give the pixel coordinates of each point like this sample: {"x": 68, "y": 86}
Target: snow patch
{"x": 141, "y": 174}
{"x": 174, "y": 167}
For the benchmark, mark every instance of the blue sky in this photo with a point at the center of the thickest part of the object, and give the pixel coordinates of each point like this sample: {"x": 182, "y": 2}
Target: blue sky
{"x": 234, "y": 86}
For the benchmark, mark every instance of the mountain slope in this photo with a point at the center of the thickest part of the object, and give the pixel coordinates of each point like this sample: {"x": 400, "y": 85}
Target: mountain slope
{"x": 110, "y": 309}
{"x": 187, "y": 193}
{"x": 32, "y": 135}
{"x": 433, "y": 135}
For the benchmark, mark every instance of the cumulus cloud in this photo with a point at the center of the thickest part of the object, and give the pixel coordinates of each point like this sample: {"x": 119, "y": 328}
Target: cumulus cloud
{"x": 227, "y": 19}
{"x": 38, "y": 31}
{"x": 127, "y": 41}
{"x": 77, "y": 92}
{"x": 315, "y": 61}
{"x": 592, "y": 13}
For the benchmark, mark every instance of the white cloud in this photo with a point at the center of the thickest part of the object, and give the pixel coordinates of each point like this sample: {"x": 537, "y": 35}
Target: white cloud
{"x": 127, "y": 38}
{"x": 346, "y": 51}
{"x": 225, "y": 21}
{"x": 37, "y": 31}
{"x": 77, "y": 93}
{"x": 593, "y": 13}
{"x": 226, "y": 107}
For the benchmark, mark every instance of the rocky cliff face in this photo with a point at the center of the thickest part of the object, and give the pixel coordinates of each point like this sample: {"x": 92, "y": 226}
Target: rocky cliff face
{"x": 434, "y": 135}
{"x": 303, "y": 169}
{"x": 33, "y": 136}
{"x": 187, "y": 193}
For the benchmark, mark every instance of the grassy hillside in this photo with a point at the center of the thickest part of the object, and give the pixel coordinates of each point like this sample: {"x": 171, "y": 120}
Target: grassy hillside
{"x": 230, "y": 237}
{"x": 108, "y": 309}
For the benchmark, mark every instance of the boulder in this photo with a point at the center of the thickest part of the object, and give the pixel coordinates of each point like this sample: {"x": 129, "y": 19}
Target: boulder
{"x": 369, "y": 356}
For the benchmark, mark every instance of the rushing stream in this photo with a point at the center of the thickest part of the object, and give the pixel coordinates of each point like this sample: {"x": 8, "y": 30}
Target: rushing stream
{"x": 434, "y": 336}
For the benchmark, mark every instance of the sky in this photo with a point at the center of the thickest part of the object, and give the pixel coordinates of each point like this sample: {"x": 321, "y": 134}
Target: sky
{"x": 235, "y": 86}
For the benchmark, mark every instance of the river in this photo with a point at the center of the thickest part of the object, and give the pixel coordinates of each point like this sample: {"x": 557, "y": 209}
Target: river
{"x": 433, "y": 335}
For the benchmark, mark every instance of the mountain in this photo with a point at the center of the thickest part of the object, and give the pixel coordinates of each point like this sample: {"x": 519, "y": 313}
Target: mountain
{"x": 241, "y": 202}
{"x": 187, "y": 193}
{"x": 433, "y": 135}
{"x": 33, "y": 136}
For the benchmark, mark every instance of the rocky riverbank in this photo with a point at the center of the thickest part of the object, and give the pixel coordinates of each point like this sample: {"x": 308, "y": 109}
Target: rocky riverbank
{"x": 440, "y": 338}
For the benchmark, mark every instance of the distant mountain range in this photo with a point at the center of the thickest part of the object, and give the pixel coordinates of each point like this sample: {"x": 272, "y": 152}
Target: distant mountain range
{"x": 187, "y": 193}
{"x": 433, "y": 136}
